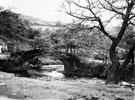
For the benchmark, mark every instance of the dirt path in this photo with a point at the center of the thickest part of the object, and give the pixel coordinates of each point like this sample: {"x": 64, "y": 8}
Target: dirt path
{"x": 18, "y": 88}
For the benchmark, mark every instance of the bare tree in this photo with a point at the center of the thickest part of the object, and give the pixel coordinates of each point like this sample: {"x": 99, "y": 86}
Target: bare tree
{"x": 100, "y": 14}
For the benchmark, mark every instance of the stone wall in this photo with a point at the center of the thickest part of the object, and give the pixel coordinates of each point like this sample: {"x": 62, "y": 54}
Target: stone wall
{"x": 73, "y": 65}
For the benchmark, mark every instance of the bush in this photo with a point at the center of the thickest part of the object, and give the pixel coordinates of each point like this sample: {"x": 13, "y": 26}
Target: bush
{"x": 100, "y": 56}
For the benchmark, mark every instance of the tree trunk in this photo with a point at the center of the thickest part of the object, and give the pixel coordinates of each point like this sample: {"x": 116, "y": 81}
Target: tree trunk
{"x": 113, "y": 75}
{"x": 130, "y": 56}
{"x": 133, "y": 62}
{"x": 126, "y": 62}
{"x": 116, "y": 70}
{"x": 133, "y": 66}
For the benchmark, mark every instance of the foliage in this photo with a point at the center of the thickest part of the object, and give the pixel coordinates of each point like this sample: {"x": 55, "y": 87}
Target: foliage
{"x": 16, "y": 33}
{"x": 87, "y": 43}
{"x": 10, "y": 25}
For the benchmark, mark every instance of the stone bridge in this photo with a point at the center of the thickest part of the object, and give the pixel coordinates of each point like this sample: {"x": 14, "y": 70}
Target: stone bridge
{"x": 75, "y": 66}
{"x": 17, "y": 60}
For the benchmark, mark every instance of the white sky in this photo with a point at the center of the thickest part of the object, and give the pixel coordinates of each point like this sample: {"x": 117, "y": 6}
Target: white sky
{"x": 47, "y": 10}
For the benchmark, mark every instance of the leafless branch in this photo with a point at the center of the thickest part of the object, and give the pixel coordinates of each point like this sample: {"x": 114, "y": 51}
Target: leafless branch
{"x": 132, "y": 15}
{"x": 108, "y": 21}
{"x": 127, "y": 1}
{"x": 92, "y": 18}
{"x": 132, "y": 23}
{"x": 105, "y": 32}
{"x": 87, "y": 8}
{"x": 112, "y": 8}
{"x": 125, "y": 20}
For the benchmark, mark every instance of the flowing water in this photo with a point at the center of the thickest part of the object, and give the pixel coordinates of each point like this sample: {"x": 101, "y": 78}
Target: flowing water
{"x": 53, "y": 70}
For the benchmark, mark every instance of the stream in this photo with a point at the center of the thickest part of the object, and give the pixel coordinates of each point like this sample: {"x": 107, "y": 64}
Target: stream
{"x": 53, "y": 70}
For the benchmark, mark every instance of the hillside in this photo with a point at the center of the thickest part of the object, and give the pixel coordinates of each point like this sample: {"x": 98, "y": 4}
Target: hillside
{"x": 38, "y": 23}
{"x": 32, "y": 20}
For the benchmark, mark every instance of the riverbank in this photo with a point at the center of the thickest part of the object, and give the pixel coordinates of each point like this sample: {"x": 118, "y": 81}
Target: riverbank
{"x": 44, "y": 88}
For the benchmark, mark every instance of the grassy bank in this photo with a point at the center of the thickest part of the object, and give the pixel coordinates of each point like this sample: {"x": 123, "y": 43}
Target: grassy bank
{"x": 45, "y": 88}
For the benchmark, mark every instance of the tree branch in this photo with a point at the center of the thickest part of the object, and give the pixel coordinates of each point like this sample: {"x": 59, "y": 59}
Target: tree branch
{"x": 91, "y": 18}
{"x": 112, "y": 8}
{"x": 131, "y": 23}
{"x": 108, "y": 21}
{"x": 103, "y": 30}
